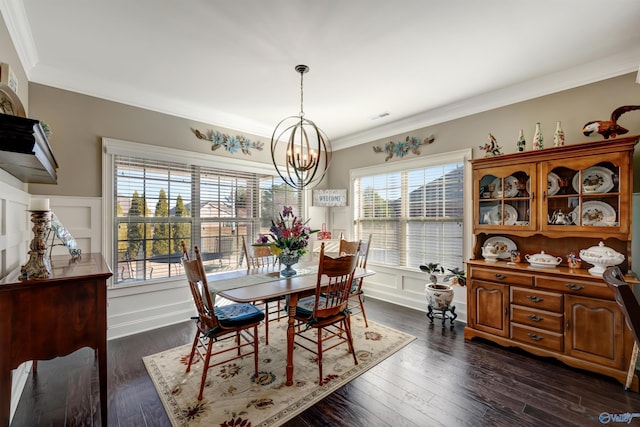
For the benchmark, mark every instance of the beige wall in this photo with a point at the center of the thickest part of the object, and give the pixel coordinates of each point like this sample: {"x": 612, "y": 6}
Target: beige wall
{"x": 8, "y": 55}
{"x": 78, "y": 123}
{"x": 573, "y": 108}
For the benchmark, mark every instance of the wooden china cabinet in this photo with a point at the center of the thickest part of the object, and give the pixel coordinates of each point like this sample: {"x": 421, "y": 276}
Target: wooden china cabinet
{"x": 558, "y": 200}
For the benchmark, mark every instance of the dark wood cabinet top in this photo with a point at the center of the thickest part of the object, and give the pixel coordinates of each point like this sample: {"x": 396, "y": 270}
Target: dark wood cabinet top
{"x": 63, "y": 267}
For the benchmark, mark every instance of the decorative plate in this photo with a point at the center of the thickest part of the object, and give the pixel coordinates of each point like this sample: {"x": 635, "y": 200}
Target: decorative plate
{"x": 510, "y": 215}
{"x": 510, "y": 187}
{"x": 552, "y": 187}
{"x": 595, "y": 213}
{"x": 9, "y": 102}
{"x": 596, "y": 179}
{"x": 503, "y": 245}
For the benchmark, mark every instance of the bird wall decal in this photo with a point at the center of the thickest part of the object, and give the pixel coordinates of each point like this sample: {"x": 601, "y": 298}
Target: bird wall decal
{"x": 609, "y": 128}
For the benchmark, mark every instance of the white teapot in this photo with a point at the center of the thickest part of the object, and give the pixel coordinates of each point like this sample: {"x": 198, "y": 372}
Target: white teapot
{"x": 561, "y": 218}
{"x": 490, "y": 252}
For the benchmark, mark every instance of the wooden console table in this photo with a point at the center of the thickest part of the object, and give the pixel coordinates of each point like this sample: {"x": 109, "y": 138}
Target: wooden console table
{"x": 43, "y": 319}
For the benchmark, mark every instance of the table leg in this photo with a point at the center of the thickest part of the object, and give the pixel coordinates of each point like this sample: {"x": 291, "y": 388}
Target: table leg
{"x": 102, "y": 379}
{"x": 293, "y": 302}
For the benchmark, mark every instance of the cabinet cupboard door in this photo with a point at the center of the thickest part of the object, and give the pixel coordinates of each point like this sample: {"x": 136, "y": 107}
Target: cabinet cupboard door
{"x": 594, "y": 331}
{"x": 588, "y": 192}
{"x": 489, "y": 303}
{"x": 505, "y": 197}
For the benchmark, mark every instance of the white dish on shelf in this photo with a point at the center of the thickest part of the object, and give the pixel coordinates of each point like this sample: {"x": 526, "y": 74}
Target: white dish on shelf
{"x": 510, "y": 215}
{"x": 510, "y": 187}
{"x": 596, "y": 213}
{"x": 596, "y": 179}
{"x": 503, "y": 246}
{"x": 552, "y": 184}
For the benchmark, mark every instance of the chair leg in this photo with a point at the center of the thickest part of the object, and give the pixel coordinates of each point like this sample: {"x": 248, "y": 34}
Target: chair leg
{"x": 193, "y": 350}
{"x": 266, "y": 323}
{"x": 205, "y": 368}
{"x": 632, "y": 366}
{"x": 347, "y": 327}
{"x": 255, "y": 349}
{"x": 320, "y": 354}
{"x": 364, "y": 315}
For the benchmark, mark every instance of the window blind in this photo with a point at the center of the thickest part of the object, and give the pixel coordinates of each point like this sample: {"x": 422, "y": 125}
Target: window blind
{"x": 158, "y": 204}
{"x": 415, "y": 216}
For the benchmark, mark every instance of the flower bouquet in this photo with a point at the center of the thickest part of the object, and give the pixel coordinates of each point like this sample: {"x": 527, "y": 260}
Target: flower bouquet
{"x": 288, "y": 237}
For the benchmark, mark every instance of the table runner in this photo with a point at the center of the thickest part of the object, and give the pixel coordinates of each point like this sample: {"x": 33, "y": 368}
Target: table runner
{"x": 224, "y": 284}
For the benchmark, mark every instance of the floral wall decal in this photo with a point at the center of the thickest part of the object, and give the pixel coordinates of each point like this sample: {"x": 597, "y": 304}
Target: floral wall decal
{"x": 232, "y": 144}
{"x": 400, "y": 148}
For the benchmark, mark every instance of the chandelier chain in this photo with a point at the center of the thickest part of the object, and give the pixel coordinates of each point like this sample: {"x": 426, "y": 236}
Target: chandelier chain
{"x": 301, "y": 94}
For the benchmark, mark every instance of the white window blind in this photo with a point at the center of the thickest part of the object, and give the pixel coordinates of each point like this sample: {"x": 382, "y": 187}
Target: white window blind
{"x": 415, "y": 215}
{"x": 160, "y": 203}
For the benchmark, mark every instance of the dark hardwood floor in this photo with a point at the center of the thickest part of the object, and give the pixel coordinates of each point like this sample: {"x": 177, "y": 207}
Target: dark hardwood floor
{"x": 439, "y": 379}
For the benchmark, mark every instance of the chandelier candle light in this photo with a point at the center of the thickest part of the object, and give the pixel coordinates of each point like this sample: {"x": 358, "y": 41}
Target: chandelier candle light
{"x": 307, "y": 151}
{"x": 38, "y": 266}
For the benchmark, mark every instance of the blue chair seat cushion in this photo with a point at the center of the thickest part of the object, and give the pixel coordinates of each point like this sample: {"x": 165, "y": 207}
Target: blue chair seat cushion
{"x": 238, "y": 315}
{"x": 304, "y": 309}
{"x": 354, "y": 286}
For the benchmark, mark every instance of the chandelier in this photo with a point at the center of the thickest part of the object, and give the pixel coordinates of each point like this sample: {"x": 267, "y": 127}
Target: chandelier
{"x": 307, "y": 151}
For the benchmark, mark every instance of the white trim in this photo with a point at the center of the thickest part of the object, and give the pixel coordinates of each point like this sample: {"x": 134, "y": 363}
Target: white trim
{"x": 154, "y": 152}
{"x": 111, "y": 147}
{"x": 418, "y": 162}
{"x": 464, "y": 156}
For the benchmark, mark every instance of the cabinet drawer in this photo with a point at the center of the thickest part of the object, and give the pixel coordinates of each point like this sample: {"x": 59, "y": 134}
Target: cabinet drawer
{"x": 541, "y": 300}
{"x": 575, "y": 287}
{"x": 538, "y": 318}
{"x": 537, "y": 337}
{"x": 502, "y": 276}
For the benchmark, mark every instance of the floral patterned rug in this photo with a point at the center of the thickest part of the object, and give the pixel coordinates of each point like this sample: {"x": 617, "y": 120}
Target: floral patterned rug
{"x": 234, "y": 397}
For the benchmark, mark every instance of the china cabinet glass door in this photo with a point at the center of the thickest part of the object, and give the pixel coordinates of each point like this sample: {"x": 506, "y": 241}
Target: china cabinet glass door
{"x": 505, "y": 197}
{"x": 584, "y": 193}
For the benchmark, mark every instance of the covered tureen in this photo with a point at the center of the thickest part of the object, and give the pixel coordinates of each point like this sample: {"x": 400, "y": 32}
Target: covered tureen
{"x": 543, "y": 260}
{"x": 601, "y": 257}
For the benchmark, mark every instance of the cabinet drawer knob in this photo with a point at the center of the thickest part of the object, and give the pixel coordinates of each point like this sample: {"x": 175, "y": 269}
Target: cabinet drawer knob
{"x": 574, "y": 287}
{"x": 534, "y": 336}
{"x": 535, "y": 318}
{"x": 534, "y": 298}
{"x": 500, "y": 276}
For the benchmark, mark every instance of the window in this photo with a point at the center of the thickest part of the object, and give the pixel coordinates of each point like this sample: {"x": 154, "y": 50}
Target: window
{"x": 158, "y": 203}
{"x": 414, "y": 211}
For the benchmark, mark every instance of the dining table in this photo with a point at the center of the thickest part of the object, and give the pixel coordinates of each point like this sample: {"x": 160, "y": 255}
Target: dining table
{"x": 267, "y": 283}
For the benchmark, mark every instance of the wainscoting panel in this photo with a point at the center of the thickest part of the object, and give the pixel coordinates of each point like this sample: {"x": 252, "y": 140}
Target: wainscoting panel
{"x": 406, "y": 288}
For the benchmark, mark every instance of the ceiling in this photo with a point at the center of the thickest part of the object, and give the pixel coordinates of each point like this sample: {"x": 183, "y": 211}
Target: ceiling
{"x": 231, "y": 63}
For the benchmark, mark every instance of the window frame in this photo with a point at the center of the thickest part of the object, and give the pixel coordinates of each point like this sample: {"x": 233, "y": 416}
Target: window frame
{"x": 458, "y": 156}
{"x": 112, "y": 147}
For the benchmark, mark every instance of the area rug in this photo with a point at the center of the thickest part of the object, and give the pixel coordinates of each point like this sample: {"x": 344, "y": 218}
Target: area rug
{"x": 234, "y": 397}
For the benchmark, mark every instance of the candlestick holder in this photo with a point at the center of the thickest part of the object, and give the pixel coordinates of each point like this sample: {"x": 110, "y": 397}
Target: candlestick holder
{"x": 38, "y": 266}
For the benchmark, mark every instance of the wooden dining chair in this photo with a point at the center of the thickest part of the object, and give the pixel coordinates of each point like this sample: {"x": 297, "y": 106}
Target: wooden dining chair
{"x": 356, "y": 297}
{"x": 348, "y": 247}
{"x": 261, "y": 257}
{"x": 630, "y": 309}
{"x": 327, "y": 311}
{"x": 227, "y": 327}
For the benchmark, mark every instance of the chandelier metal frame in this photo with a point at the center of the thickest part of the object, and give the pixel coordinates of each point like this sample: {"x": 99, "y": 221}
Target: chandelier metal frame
{"x": 307, "y": 151}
